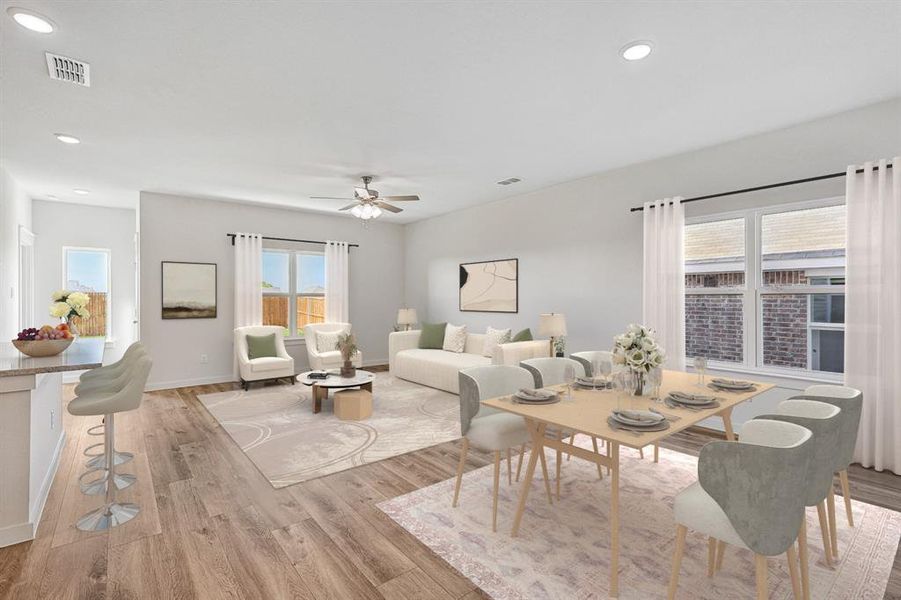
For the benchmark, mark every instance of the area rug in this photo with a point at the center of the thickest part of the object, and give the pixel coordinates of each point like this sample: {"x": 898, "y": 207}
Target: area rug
{"x": 277, "y": 430}
{"x": 562, "y": 551}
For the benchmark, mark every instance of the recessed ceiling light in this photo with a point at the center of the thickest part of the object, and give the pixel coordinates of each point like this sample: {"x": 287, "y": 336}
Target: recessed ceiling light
{"x": 81, "y": 192}
{"x": 31, "y": 20}
{"x": 67, "y": 139}
{"x": 636, "y": 50}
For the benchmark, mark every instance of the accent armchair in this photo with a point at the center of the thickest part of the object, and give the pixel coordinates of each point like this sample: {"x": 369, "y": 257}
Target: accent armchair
{"x": 263, "y": 368}
{"x": 326, "y": 357}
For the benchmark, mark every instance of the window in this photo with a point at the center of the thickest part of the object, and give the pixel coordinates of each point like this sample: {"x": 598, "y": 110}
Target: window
{"x": 293, "y": 289}
{"x": 783, "y": 308}
{"x": 88, "y": 270}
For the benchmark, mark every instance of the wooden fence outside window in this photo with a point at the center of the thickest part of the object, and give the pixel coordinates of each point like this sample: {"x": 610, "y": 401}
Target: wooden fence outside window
{"x": 310, "y": 309}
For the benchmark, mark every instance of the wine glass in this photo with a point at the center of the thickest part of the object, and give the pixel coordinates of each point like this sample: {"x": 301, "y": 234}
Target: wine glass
{"x": 606, "y": 370}
{"x": 595, "y": 371}
{"x": 655, "y": 378}
{"x": 700, "y": 367}
{"x": 569, "y": 377}
{"x": 619, "y": 386}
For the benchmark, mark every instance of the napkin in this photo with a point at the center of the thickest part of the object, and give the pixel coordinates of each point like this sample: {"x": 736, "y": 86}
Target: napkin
{"x": 635, "y": 415}
{"x": 536, "y": 394}
{"x": 695, "y": 397}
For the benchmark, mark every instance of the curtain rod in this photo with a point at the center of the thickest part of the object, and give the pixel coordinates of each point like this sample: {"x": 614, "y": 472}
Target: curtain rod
{"x": 279, "y": 239}
{"x": 761, "y": 187}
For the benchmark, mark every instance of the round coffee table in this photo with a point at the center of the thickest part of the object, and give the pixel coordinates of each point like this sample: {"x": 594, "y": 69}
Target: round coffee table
{"x": 362, "y": 379}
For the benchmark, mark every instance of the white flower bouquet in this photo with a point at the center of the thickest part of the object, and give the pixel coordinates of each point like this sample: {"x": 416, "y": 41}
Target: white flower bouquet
{"x": 67, "y": 304}
{"x": 637, "y": 350}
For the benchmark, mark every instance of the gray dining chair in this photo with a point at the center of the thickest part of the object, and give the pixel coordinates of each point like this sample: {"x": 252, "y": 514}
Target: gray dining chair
{"x": 548, "y": 371}
{"x": 850, "y": 400}
{"x": 489, "y": 429}
{"x": 750, "y": 494}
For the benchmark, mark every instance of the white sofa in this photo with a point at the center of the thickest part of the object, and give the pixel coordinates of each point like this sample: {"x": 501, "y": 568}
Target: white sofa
{"x": 270, "y": 367}
{"x": 327, "y": 359}
{"x": 440, "y": 368}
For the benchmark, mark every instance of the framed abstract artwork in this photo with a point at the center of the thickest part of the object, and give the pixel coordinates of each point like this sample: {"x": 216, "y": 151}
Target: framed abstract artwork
{"x": 490, "y": 286}
{"x": 189, "y": 290}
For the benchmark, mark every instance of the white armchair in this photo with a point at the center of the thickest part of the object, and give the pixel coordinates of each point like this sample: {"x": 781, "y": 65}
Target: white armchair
{"x": 268, "y": 367}
{"x": 324, "y": 358}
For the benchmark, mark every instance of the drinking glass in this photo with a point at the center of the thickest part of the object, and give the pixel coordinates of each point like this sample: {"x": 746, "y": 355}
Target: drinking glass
{"x": 700, "y": 367}
{"x": 606, "y": 370}
{"x": 595, "y": 371}
{"x": 655, "y": 378}
{"x": 619, "y": 386}
{"x": 569, "y": 377}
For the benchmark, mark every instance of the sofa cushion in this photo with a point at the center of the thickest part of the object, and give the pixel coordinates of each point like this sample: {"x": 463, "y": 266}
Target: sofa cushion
{"x": 260, "y": 346}
{"x": 494, "y": 338}
{"x": 432, "y": 336}
{"x": 435, "y": 368}
{"x": 454, "y": 338}
{"x": 523, "y": 336}
{"x": 270, "y": 363}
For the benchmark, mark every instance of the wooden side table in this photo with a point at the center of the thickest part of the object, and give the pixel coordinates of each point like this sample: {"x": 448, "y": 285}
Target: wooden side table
{"x": 353, "y": 405}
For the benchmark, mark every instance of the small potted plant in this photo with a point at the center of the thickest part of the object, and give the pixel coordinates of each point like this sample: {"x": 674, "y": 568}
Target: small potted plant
{"x": 347, "y": 346}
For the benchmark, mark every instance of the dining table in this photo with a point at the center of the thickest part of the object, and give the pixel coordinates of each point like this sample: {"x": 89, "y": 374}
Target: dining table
{"x": 586, "y": 411}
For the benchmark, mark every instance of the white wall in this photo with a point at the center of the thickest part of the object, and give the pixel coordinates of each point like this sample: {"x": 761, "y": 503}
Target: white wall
{"x": 579, "y": 247}
{"x": 192, "y": 229}
{"x": 15, "y": 210}
{"x": 59, "y": 224}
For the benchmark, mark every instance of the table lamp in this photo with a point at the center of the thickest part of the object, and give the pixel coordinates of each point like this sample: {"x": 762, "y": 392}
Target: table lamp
{"x": 552, "y": 325}
{"x": 406, "y": 317}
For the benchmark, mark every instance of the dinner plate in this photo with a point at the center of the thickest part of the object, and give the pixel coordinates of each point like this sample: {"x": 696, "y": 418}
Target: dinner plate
{"x": 649, "y": 419}
{"x": 670, "y": 401}
{"x": 540, "y": 396}
{"x": 617, "y": 425}
{"x": 692, "y": 399}
{"x": 518, "y": 400}
{"x": 732, "y": 384}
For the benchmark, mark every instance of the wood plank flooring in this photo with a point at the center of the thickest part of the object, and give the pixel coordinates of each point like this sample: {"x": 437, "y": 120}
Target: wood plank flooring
{"x": 211, "y": 526}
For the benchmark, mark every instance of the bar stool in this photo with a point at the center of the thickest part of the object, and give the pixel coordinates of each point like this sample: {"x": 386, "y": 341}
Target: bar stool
{"x": 108, "y": 403}
{"x": 106, "y": 376}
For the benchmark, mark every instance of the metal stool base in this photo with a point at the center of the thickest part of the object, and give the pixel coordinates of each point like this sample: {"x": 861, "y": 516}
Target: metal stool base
{"x": 97, "y": 487}
{"x": 108, "y": 516}
{"x": 99, "y": 461}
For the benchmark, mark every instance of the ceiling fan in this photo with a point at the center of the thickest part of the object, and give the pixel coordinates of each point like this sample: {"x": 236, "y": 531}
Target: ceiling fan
{"x": 366, "y": 202}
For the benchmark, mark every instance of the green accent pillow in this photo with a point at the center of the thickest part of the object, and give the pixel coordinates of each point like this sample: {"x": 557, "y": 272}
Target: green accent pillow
{"x": 261, "y": 346}
{"x": 432, "y": 336}
{"x": 523, "y": 336}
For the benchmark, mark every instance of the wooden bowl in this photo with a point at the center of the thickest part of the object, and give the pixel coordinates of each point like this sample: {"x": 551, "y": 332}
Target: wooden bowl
{"x": 39, "y": 348}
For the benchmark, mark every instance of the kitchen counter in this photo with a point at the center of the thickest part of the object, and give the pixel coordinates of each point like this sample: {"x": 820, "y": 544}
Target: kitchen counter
{"x": 81, "y": 355}
{"x": 31, "y": 430}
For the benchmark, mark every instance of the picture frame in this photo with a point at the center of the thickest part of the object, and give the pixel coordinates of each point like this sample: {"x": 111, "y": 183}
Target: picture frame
{"x": 489, "y": 286}
{"x": 189, "y": 290}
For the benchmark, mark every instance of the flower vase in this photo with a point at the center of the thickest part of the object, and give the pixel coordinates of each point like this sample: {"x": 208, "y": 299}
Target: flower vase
{"x": 639, "y": 382}
{"x": 348, "y": 369}
{"x": 73, "y": 329}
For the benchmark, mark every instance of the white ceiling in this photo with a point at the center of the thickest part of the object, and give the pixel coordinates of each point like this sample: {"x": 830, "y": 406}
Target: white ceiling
{"x": 275, "y": 102}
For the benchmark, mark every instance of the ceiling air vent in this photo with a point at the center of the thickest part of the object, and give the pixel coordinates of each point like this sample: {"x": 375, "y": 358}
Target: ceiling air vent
{"x": 509, "y": 181}
{"x": 68, "y": 69}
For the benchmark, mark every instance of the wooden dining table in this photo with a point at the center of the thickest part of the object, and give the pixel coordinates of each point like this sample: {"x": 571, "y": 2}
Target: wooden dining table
{"x": 586, "y": 412}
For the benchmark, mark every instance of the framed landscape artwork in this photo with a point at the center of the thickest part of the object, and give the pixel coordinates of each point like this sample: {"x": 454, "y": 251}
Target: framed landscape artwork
{"x": 189, "y": 290}
{"x": 490, "y": 286}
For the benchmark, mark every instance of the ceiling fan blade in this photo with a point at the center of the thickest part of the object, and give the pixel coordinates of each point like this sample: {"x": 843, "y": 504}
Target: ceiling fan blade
{"x": 328, "y": 198}
{"x": 400, "y": 198}
{"x": 388, "y": 207}
{"x": 349, "y": 206}
{"x": 362, "y": 193}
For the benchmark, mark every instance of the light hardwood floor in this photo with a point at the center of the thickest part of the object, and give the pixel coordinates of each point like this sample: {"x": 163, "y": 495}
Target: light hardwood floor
{"x": 212, "y": 527}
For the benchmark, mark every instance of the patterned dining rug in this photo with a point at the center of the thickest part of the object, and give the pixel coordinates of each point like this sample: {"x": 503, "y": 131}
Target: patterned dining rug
{"x": 562, "y": 552}
{"x": 277, "y": 430}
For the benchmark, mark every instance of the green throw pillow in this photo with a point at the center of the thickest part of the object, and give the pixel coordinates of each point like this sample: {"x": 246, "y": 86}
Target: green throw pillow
{"x": 260, "y": 346}
{"x": 523, "y": 336}
{"x": 432, "y": 335}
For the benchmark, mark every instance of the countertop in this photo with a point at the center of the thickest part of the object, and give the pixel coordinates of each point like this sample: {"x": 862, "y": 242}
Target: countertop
{"x": 82, "y": 354}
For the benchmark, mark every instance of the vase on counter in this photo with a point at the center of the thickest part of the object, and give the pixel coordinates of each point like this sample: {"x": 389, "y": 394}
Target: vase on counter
{"x": 73, "y": 329}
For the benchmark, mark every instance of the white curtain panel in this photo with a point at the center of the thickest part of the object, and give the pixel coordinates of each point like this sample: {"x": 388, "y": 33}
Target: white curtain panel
{"x": 873, "y": 309}
{"x": 336, "y": 282}
{"x": 663, "y": 290}
{"x": 248, "y": 279}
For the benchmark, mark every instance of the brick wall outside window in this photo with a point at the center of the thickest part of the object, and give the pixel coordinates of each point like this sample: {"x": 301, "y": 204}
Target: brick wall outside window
{"x": 785, "y": 330}
{"x": 713, "y": 326}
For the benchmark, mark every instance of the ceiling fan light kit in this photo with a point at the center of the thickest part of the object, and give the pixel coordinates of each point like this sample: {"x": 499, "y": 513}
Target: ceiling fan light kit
{"x": 366, "y": 203}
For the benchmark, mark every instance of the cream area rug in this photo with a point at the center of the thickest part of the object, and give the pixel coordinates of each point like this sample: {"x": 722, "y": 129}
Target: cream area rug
{"x": 277, "y": 430}
{"x": 562, "y": 551}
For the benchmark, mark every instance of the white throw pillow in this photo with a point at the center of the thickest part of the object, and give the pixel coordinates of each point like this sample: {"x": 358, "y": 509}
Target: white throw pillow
{"x": 327, "y": 340}
{"x": 494, "y": 338}
{"x": 454, "y": 338}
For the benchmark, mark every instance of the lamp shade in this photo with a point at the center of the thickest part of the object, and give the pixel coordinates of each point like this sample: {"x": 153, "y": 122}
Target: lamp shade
{"x": 552, "y": 324}
{"x": 406, "y": 316}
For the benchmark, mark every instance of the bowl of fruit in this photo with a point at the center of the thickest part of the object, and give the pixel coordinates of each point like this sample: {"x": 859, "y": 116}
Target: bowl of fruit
{"x": 46, "y": 341}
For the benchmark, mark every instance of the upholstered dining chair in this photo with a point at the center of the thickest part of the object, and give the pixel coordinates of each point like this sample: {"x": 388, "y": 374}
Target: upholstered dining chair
{"x": 489, "y": 429}
{"x": 850, "y": 400}
{"x": 549, "y": 371}
{"x": 750, "y": 494}
{"x": 589, "y": 357}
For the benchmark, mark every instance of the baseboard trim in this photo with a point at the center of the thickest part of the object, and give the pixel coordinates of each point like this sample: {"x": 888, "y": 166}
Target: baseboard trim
{"x": 37, "y": 509}
{"x": 16, "y": 534}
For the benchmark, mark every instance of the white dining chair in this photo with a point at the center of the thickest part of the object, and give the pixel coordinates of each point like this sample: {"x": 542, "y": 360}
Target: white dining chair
{"x": 590, "y": 357}
{"x": 550, "y": 371}
{"x": 749, "y": 494}
{"x": 489, "y": 429}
